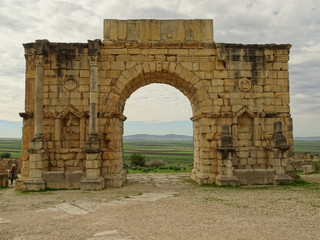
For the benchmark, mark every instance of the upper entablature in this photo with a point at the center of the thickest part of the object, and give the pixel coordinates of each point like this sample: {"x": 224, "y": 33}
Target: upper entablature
{"x": 158, "y": 30}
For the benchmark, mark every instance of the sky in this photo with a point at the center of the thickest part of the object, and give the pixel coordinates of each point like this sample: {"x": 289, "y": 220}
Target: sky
{"x": 242, "y": 21}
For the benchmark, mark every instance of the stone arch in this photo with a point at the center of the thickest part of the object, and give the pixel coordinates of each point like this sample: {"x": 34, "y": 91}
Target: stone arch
{"x": 159, "y": 72}
{"x": 131, "y": 80}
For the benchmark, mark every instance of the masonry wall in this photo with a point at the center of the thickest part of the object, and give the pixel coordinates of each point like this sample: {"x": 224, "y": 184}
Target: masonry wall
{"x": 237, "y": 92}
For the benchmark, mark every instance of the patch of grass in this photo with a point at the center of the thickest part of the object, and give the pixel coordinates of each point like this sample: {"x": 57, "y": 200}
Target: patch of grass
{"x": 212, "y": 186}
{"x": 235, "y": 205}
{"x": 213, "y": 199}
{"x": 315, "y": 205}
{"x": 26, "y": 192}
{"x": 47, "y": 190}
{"x": 162, "y": 169}
{"x": 301, "y": 184}
{"x": 316, "y": 165}
{"x": 60, "y": 189}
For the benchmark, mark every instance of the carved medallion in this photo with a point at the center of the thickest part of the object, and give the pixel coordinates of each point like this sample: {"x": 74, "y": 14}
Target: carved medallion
{"x": 244, "y": 84}
{"x": 70, "y": 83}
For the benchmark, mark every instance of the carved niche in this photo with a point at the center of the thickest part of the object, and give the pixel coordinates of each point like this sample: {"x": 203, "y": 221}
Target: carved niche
{"x": 68, "y": 128}
{"x": 244, "y": 137}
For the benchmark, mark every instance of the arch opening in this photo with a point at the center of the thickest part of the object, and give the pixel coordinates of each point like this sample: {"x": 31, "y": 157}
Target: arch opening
{"x": 158, "y": 126}
{"x": 137, "y": 77}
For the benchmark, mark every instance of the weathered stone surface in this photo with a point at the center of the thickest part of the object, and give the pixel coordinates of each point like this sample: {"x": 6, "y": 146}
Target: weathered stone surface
{"x": 76, "y": 94}
{"x": 308, "y": 168}
{"x": 54, "y": 179}
{"x": 255, "y": 176}
{"x": 3, "y": 179}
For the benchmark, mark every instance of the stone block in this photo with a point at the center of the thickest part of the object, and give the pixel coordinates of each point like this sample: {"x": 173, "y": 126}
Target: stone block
{"x": 54, "y": 179}
{"x": 255, "y": 176}
{"x": 207, "y": 66}
{"x": 92, "y": 184}
{"x": 3, "y": 179}
{"x": 34, "y": 184}
{"x": 84, "y": 73}
{"x": 93, "y": 164}
{"x": 118, "y": 66}
{"x": 158, "y": 30}
{"x": 73, "y": 179}
{"x": 308, "y": 169}
{"x": 92, "y": 173}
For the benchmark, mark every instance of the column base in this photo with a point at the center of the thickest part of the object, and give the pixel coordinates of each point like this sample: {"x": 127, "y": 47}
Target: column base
{"x": 202, "y": 178}
{"x": 116, "y": 180}
{"x": 19, "y": 185}
{"x": 227, "y": 181}
{"x": 34, "y": 184}
{"x": 282, "y": 179}
{"x": 92, "y": 184}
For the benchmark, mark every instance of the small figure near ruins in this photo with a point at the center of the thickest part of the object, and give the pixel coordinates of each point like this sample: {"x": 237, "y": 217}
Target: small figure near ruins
{"x": 12, "y": 173}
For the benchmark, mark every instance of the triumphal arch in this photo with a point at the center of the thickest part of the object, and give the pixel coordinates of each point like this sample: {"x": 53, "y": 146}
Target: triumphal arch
{"x": 75, "y": 96}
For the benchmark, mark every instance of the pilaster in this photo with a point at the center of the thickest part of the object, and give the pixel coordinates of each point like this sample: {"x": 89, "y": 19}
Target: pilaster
{"x": 38, "y": 160}
{"x": 225, "y": 166}
{"x": 93, "y": 179}
{"x": 279, "y": 148}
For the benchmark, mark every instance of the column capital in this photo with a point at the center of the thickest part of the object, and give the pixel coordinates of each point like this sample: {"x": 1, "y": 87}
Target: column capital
{"x": 39, "y": 59}
{"x": 93, "y": 60}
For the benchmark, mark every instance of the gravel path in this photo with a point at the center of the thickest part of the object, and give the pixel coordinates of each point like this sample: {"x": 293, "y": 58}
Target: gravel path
{"x": 163, "y": 206}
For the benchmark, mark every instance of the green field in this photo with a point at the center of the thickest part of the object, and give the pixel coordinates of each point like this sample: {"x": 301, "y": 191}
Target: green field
{"x": 12, "y": 146}
{"x": 312, "y": 147}
{"x": 171, "y": 152}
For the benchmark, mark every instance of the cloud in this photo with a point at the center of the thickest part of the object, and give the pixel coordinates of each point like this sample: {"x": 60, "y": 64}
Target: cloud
{"x": 245, "y": 21}
{"x": 158, "y": 103}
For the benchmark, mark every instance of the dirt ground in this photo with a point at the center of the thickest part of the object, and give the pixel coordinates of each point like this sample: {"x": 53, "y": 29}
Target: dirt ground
{"x": 163, "y": 206}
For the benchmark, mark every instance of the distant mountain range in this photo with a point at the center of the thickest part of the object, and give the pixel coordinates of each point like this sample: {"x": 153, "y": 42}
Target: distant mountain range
{"x": 157, "y": 137}
{"x": 307, "y": 138}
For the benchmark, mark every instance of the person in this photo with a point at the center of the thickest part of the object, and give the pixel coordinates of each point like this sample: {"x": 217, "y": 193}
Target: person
{"x": 12, "y": 172}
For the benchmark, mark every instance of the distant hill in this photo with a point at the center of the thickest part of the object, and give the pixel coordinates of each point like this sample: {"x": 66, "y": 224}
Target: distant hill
{"x": 7, "y": 138}
{"x": 307, "y": 138}
{"x": 157, "y": 137}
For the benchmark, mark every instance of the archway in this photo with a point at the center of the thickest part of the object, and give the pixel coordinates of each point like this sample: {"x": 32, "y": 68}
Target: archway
{"x": 175, "y": 75}
{"x": 158, "y": 126}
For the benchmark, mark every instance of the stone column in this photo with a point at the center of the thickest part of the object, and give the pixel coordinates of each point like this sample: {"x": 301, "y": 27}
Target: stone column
{"x": 38, "y": 161}
{"x": 113, "y": 171}
{"x": 38, "y": 105}
{"x": 225, "y": 166}
{"x": 93, "y": 179}
{"x": 279, "y": 147}
{"x": 256, "y": 133}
